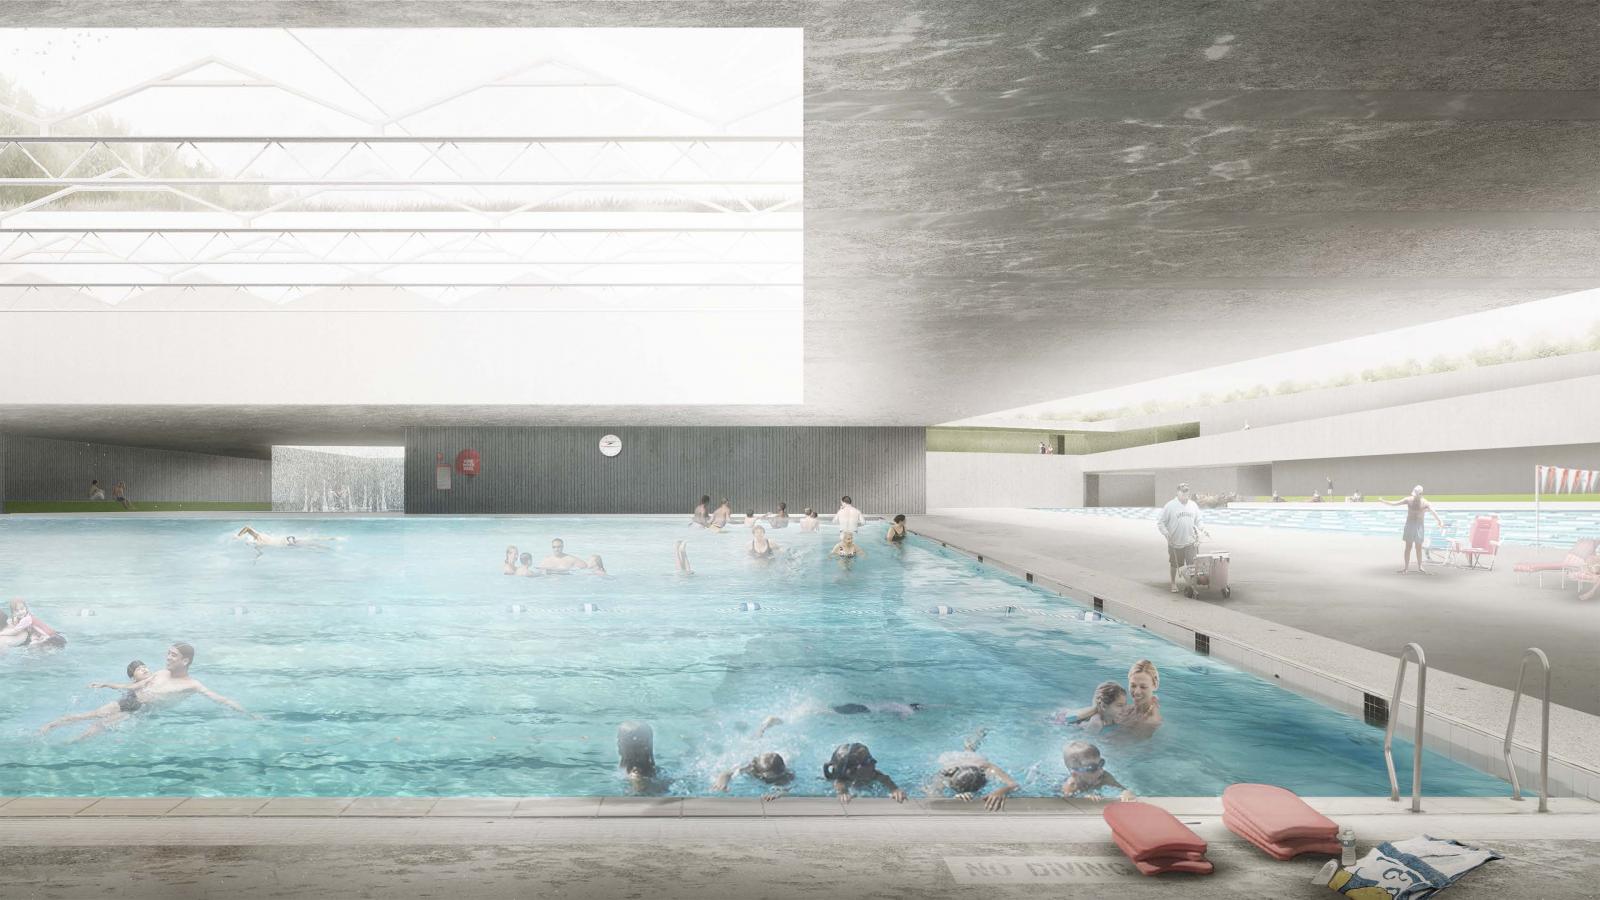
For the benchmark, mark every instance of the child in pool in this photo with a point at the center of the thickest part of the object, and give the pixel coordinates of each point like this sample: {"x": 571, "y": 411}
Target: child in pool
{"x": 510, "y": 566}
{"x": 1110, "y": 705}
{"x": 852, "y": 766}
{"x": 965, "y": 774}
{"x": 768, "y": 768}
{"x": 525, "y": 567}
{"x": 1087, "y": 776}
{"x": 121, "y": 708}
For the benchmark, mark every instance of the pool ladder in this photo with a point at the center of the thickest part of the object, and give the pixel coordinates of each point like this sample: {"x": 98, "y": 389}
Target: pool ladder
{"x": 1412, "y": 651}
{"x": 1537, "y": 655}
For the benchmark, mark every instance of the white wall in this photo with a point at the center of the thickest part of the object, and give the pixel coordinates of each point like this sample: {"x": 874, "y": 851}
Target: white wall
{"x": 304, "y": 357}
{"x": 1543, "y": 415}
{"x": 958, "y": 480}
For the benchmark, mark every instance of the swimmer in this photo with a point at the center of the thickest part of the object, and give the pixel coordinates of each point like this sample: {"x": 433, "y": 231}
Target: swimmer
{"x": 19, "y": 629}
{"x": 637, "y": 759}
{"x": 768, "y": 768}
{"x": 903, "y": 710}
{"x": 170, "y": 686}
{"x": 847, "y": 548}
{"x": 897, "y": 530}
{"x": 780, "y": 519}
{"x": 117, "y": 710}
{"x": 1143, "y": 715}
{"x": 524, "y": 567}
{"x": 596, "y": 567}
{"x": 701, "y": 516}
{"x": 1109, "y": 709}
{"x": 966, "y": 773}
{"x": 852, "y": 766}
{"x": 681, "y": 550}
{"x": 510, "y": 566}
{"x": 848, "y": 518}
{"x": 760, "y": 547}
{"x": 719, "y": 518}
{"x": 751, "y": 520}
{"x": 809, "y": 520}
{"x": 560, "y": 560}
{"x": 1088, "y": 778}
{"x": 259, "y": 539}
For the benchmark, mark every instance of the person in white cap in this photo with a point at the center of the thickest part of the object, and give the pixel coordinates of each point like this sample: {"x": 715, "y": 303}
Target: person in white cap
{"x": 1180, "y": 525}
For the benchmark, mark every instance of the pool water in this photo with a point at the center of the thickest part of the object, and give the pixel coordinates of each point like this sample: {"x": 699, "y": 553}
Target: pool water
{"x": 393, "y": 664}
{"x": 1555, "y": 528}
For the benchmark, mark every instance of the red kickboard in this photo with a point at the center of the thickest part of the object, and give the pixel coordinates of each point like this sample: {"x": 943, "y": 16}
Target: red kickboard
{"x": 1191, "y": 866}
{"x": 1156, "y": 860}
{"x": 1279, "y": 850}
{"x": 1151, "y": 831}
{"x": 1276, "y": 813}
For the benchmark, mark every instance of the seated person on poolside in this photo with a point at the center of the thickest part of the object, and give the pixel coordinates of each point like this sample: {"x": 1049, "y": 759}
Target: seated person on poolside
{"x": 852, "y": 767}
{"x": 168, "y": 687}
{"x": 780, "y": 519}
{"x": 96, "y": 492}
{"x": 966, "y": 773}
{"x": 897, "y": 530}
{"x": 117, "y": 710}
{"x": 719, "y": 517}
{"x": 681, "y": 550}
{"x": 1110, "y": 706}
{"x": 847, "y": 548}
{"x": 560, "y": 560}
{"x": 1591, "y": 573}
{"x": 809, "y": 520}
{"x": 768, "y": 768}
{"x": 760, "y": 547}
{"x": 903, "y": 710}
{"x": 1088, "y": 777}
{"x": 510, "y": 566}
{"x": 637, "y": 758}
{"x": 702, "y": 514}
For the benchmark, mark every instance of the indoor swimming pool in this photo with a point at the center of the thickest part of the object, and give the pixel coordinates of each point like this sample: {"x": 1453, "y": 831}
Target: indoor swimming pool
{"x": 398, "y": 660}
{"x": 1556, "y": 527}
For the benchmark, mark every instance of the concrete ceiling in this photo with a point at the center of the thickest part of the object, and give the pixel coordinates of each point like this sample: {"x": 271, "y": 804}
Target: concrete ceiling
{"x": 1012, "y": 202}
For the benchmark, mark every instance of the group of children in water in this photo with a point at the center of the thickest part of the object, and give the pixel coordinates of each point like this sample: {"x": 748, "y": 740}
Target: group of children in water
{"x": 965, "y": 773}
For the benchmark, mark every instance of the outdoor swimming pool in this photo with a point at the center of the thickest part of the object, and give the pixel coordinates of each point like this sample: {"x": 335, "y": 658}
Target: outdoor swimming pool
{"x": 392, "y": 665}
{"x": 1557, "y": 527}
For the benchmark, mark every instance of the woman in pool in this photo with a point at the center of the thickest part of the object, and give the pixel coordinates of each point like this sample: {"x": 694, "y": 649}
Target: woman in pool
{"x": 510, "y": 566}
{"x": 596, "y": 566}
{"x": 966, "y": 773}
{"x": 809, "y": 520}
{"x": 768, "y": 768}
{"x": 1110, "y": 706}
{"x": 852, "y": 766}
{"x": 760, "y": 547}
{"x": 116, "y": 711}
{"x": 1087, "y": 776}
{"x": 847, "y": 548}
{"x": 897, "y": 531}
{"x": 1143, "y": 716}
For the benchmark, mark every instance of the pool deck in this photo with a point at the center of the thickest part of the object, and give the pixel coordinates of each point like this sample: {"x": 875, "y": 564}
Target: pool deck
{"x": 1331, "y": 606}
{"x": 797, "y": 847}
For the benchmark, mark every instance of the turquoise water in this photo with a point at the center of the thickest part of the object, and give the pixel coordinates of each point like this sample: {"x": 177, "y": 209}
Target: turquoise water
{"x": 392, "y": 664}
{"x": 1556, "y": 528}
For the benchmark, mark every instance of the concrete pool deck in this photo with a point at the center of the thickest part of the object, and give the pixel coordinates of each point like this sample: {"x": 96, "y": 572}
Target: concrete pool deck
{"x": 879, "y": 850}
{"x": 1316, "y": 610}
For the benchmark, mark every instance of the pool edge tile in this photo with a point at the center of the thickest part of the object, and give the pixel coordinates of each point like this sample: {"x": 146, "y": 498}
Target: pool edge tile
{"x": 46, "y": 807}
{"x": 557, "y": 808}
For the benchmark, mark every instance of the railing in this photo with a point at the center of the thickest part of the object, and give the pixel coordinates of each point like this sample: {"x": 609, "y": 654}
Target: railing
{"x": 1411, "y": 651}
{"x": 1544, "y": 730}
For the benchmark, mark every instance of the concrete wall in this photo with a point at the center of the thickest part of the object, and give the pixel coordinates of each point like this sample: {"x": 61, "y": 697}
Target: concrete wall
{"x": 665, "y": 470}
{"x": 1003, "y": 479}
{"x": 1556, "y": 414}
{"x": 1472, "y": 472}
{"x": 38, "y": 469}
{"x": 1114, "y": 489}
{"x": 1277, "y": 410}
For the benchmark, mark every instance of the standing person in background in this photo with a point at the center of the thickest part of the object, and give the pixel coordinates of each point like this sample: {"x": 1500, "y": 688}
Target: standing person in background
{"x": 1329, "y": 479}
{"x": 119, "y": 493}
{"x": 96, "y": 492}
{"x": 848, "y": 518}
{"x": 1042, "y": 449}
{"x": 1415, "y": 505}
{"x": 1180, "y": 525}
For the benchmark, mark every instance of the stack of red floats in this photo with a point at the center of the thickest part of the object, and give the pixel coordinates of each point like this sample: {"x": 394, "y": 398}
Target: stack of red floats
{"x": 1277, "y": 821}
{"x": 1155, "y": 840}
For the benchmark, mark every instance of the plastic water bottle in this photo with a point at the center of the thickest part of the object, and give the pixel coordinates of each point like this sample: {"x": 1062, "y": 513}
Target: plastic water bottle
{"x": 1347, "y": 846}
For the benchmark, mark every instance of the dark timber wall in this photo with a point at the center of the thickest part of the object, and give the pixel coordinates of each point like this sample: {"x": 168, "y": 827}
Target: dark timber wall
{"x": 41, "y": 469}
{"x": 666, "y": 469}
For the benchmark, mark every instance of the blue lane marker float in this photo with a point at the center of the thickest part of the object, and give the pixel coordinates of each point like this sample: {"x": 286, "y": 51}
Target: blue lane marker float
{"x": 516, "y": 609}
{"x": 85, "y": 613}
{"x": 239, "y": 610}
{"x": 590, "y": 608}
{"x": 749, "y": 606}
{"x": 374, "y": 610}
{"x": 1085, "y": 615}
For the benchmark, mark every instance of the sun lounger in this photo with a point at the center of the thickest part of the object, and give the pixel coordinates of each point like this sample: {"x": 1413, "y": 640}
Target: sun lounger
{"x": 1277, "y": 821}
{"x": 1570, "y": 566}
{"x": 1154, "y": 840}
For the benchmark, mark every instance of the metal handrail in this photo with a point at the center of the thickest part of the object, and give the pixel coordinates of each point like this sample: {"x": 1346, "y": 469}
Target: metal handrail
{"x": 1411, "y": 651}
{"x": 1544, "y": 730}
